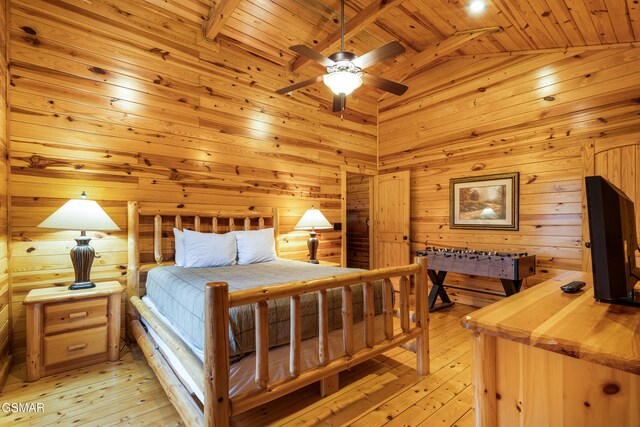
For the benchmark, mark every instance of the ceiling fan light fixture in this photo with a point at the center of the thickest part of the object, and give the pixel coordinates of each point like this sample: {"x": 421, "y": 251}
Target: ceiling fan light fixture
{"x": 477, "y": 6}
{"x": 343, "y": 82}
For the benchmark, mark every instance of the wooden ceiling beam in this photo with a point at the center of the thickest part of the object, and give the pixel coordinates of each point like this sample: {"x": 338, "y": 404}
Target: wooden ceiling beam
{"x": 353, "y": 26}
{"x": 570, "y": 49}
{"x": 217, "y": 18}
{"x": 401, "y": 70}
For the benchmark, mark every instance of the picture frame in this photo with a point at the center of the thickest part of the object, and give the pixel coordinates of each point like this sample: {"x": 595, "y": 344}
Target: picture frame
{"x": 489, "y": 202}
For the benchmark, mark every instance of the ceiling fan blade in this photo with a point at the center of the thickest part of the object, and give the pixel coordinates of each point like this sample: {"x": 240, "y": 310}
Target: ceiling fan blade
{"x": 387, "y": 51}
{"x": 384, "y": 84}
{"x": 309, "y": 53}
{"x": 299, "y": 85}
{"x": 339, "y": 102}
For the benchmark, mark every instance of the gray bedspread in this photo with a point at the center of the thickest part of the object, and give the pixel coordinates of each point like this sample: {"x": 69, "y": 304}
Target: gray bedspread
{"x": 178, "y": 294}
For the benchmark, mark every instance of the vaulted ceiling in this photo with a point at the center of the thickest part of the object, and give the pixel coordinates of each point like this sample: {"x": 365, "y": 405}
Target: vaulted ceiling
{"x": 430, "y": 30}
{"x": 270, "y": 27}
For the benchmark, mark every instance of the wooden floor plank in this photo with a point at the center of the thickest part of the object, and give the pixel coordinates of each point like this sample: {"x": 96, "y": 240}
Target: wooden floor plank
{"x": 384, "y": 390}
{"x": 449, "y": 413}
{"x": 392, "y": 408}
{"x": 467, "y": 420}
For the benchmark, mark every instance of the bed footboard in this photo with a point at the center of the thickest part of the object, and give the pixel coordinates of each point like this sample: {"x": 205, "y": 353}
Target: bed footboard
{"x": 218, "y": 404}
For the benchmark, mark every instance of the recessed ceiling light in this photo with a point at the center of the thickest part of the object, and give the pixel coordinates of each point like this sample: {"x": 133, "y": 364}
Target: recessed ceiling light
{"x": 477, "y": 6}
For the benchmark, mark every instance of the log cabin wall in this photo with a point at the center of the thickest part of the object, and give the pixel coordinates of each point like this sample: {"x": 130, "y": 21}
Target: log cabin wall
{"x": 126, "y": 101}
{"x": 5, "y": 307}
{"x": 530, "y": 114}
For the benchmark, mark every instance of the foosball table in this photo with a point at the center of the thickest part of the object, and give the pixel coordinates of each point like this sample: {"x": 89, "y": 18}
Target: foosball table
{"x": 510, "y": 268}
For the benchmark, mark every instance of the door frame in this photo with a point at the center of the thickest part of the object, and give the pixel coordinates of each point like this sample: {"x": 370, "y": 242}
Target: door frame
{"x": 343, "y": 214}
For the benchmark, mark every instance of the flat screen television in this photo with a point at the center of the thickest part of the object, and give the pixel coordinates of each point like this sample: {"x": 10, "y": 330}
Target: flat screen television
{"x": 614, "y": 242}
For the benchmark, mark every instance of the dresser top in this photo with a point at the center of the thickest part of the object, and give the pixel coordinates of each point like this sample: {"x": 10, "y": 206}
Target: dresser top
{"x": 62, "y": 293}
{"x": 575, "y": 325}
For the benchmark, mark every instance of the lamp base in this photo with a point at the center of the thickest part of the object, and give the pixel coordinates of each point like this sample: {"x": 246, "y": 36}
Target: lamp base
{"x": 312, "y": 244}
{"x": 81, "y": 285}
{"x": 82, "y": 257}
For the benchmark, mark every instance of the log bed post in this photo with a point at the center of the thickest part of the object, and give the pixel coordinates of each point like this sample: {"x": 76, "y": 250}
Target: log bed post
{"x": 387, "y": 307}
{"x": 157, "y": 238}
{"x": 295, "y": 344}
{"x": 347, "y": 320}
{"x": 262, "y": 344}
{"x": 216, "y": 355}
{"x": 404, "y": 303}
{"x": 369, "y": 315}
{"x": 276, "y": 229}
{"x": 422, "y": 318}
{"x": 323, "y": 328}
{"x": 133, "y": 259}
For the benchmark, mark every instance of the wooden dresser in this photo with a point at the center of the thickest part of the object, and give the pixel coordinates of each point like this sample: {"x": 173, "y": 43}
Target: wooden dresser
{"x": 69, "y": 329}
{"x": 547, "y": 358}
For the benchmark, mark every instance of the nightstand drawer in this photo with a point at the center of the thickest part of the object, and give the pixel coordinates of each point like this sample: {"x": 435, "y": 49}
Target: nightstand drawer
{"x": 73, "y": 345}
{"x": 65, "y": 316}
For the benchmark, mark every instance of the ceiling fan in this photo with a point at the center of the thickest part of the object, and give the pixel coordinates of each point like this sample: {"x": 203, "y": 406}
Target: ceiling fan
{"x": 344, "y": 69}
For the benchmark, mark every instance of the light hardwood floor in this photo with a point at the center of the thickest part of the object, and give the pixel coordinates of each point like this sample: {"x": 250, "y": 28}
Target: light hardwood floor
{"x": 383, "y": 391}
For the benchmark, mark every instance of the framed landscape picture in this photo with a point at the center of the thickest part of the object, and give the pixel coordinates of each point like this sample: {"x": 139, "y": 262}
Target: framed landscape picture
{"x": 487, "y": 202}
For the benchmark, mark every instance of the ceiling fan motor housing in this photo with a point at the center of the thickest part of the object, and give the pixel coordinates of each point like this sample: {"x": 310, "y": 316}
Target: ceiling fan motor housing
{"x": 343, "y": 56}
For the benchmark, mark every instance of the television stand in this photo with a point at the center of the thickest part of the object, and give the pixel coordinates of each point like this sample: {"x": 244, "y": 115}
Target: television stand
{"x": 631, "y": 301}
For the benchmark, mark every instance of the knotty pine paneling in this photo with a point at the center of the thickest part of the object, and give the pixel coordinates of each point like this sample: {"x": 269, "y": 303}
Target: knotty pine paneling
{"x": 529, "y": 114}
{"x": 125, "y": 101}
{"x": 5, "y": 306}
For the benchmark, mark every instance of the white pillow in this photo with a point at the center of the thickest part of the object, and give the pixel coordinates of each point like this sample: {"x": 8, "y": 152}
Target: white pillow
{"x": 209, "y": 249}
{"x": 255, "y": 246}
{"x": 179, "y": 240}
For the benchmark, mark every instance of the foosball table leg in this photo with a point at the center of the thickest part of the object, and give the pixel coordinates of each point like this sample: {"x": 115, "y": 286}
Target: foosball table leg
{"x": 511, "y": 286}
{"x": 438, "y": 290}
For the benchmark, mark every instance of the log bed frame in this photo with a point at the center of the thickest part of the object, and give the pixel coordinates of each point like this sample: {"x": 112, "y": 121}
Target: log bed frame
{"x": 213, "y": 378}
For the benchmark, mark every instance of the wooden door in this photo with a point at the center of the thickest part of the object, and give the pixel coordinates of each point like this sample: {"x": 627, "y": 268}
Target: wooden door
{"x": 618, "y": 161}
{"x": 391, "y": 245}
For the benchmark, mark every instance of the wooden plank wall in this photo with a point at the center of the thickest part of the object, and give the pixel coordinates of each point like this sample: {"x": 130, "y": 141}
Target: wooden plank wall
{"x": 5, "y": 306}
{"x": 617, "y": 158}
{"x": 492, "y": 114}
{"x": 124, "y": 100}
{"x": 358, "y": 202}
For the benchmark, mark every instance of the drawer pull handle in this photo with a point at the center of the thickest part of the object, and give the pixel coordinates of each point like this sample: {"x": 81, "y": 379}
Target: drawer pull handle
{"x": 76, "y": 347}
{"x": 78, "y": 314}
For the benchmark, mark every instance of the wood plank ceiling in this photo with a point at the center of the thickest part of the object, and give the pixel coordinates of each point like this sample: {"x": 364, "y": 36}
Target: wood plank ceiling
{"x": 268, "y": 28}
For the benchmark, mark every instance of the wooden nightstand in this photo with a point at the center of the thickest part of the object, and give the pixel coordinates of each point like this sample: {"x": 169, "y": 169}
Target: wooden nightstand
{"x": 69, "y": 329}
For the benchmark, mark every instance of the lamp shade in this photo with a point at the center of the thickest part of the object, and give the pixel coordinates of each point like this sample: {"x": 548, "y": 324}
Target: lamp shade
{"x": 313, "y": 220}
{"x": 82, "y": 215}
{"x": 343, "y": 82}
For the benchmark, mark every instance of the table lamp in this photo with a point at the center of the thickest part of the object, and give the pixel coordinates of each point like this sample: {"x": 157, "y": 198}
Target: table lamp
{"x": 313, "y": 220}
{"x": 82, "y": 215}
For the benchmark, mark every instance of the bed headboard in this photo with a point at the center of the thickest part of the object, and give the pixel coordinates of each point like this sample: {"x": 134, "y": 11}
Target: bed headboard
{"x": 150, "y": 233}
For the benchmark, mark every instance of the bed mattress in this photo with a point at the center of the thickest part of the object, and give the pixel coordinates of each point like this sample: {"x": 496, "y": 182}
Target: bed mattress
{"x": 178, "y": 294}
